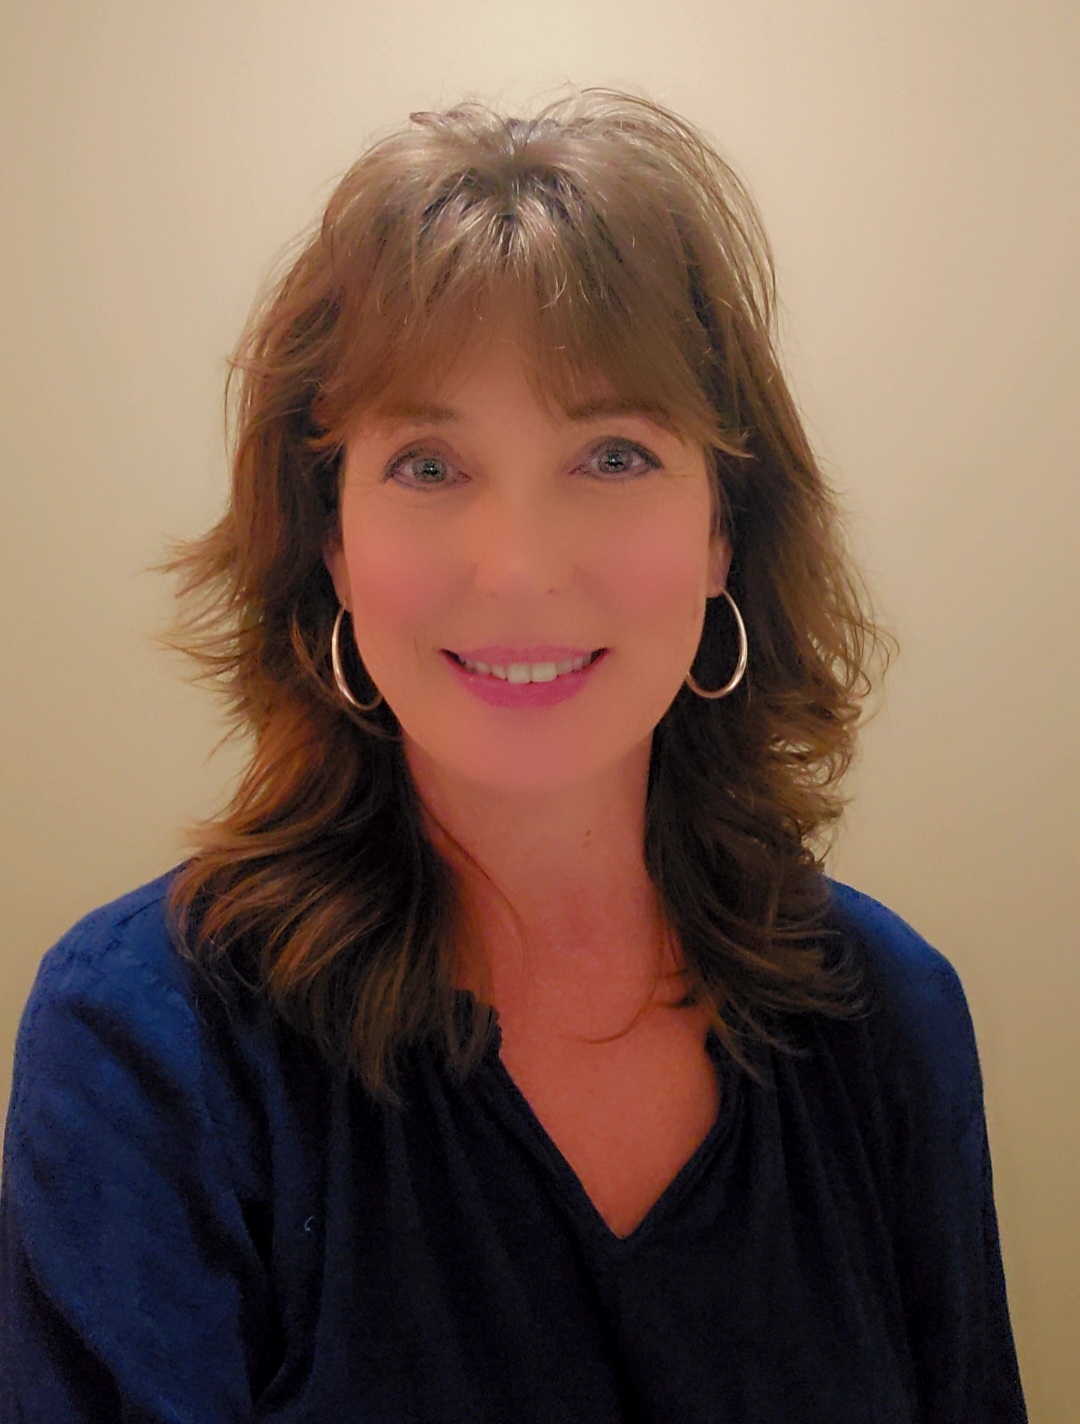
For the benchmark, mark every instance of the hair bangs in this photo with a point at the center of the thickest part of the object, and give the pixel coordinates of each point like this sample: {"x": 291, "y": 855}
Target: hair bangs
{"x": 539, "y": 267}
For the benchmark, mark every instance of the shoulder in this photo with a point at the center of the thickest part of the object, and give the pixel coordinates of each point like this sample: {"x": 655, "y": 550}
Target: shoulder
{"x": 118, "y": 947}
{"x": 122, "y": 954}
{"x": 914, "y": 979}
{"x": 134, "y": 1072}
{"x": 121, "y": 1024}
{"x": 128, "y": 956}
{"x": 125, "y": 1031}
{"x": 919, "y": 1028}
{"x": 113, "y": 982}
{"x": 894, "y": 952}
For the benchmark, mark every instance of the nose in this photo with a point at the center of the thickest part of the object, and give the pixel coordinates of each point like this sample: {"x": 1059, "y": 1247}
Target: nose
{"x": 521, "y": 544}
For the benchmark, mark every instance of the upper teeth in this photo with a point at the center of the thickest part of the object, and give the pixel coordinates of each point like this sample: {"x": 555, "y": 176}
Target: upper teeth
{"x": 529, "y": 672}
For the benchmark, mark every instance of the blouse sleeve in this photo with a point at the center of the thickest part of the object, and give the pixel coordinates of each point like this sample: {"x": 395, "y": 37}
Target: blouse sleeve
{"x": 130, "y": 1286}
{"x": 946, "y": 1230}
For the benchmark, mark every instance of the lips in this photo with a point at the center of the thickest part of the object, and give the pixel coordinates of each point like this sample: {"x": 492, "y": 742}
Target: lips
{"x": 509, "y": 690}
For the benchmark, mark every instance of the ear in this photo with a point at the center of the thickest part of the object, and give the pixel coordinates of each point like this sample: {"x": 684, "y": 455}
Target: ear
{"x": 334, "y": 559}
{"x": 719, "y": 564}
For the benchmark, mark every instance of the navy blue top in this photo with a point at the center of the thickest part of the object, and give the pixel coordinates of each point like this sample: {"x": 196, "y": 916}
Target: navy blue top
{"x": 201, "y": 1221}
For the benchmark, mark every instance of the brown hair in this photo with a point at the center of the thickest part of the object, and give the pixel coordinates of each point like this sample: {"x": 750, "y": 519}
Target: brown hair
{"x": 604, "y": 218}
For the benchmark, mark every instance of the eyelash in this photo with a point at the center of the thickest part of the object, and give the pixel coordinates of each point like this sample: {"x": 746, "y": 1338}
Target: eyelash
{"x": 628, "y": 446}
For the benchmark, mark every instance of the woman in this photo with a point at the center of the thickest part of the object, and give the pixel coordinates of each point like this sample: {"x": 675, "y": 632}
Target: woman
{"x": 503, "y": 1052}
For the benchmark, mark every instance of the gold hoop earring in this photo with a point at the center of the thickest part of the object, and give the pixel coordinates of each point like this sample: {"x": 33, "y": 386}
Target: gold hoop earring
{"x": 339, "y": 671}
{"x": 740, "y": 666}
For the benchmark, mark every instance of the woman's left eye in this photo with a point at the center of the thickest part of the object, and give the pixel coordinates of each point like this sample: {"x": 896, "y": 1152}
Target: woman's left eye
{"x": 616, "y": 457}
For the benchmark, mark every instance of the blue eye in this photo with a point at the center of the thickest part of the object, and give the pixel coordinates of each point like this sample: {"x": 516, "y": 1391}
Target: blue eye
{"x": 425, "y": 468}
{"x": 614, "y": 458}
{"x": 624, "y": 452}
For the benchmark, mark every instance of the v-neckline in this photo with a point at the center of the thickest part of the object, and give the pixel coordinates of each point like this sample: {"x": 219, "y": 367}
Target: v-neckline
{"x": 573, "y": 1188}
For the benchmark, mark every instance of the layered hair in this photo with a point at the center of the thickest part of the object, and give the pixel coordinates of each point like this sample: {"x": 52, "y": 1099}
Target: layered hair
{"x": 627, "y": 248}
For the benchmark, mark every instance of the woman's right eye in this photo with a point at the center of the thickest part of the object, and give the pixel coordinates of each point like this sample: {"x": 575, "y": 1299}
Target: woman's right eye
{"x": 423, "y": 469}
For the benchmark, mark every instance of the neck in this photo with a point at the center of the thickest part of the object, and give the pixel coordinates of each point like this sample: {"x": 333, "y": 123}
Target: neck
{"x": 581, "y": 921}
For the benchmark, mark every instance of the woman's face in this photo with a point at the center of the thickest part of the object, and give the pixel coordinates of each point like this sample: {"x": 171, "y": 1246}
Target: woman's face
{"x": 492, "y": 522}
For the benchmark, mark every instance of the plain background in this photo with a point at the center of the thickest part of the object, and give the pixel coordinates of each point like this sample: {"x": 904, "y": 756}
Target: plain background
{"x": 916, "y": 165}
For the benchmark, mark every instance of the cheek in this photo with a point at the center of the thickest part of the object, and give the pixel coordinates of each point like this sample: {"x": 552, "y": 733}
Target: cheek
{"x": 394, "y": 580}
{"x": 651, "y": 572}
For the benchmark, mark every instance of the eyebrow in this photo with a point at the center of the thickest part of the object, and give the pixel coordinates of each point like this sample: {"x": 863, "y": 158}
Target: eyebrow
{"x": 426, "y": 413}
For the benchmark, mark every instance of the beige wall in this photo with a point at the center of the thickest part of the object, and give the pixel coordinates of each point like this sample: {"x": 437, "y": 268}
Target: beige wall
{"x": 916, "y": 165}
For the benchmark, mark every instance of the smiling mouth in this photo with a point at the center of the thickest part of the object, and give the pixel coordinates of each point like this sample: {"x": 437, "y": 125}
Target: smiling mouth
{"x": 527, "y": 672}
